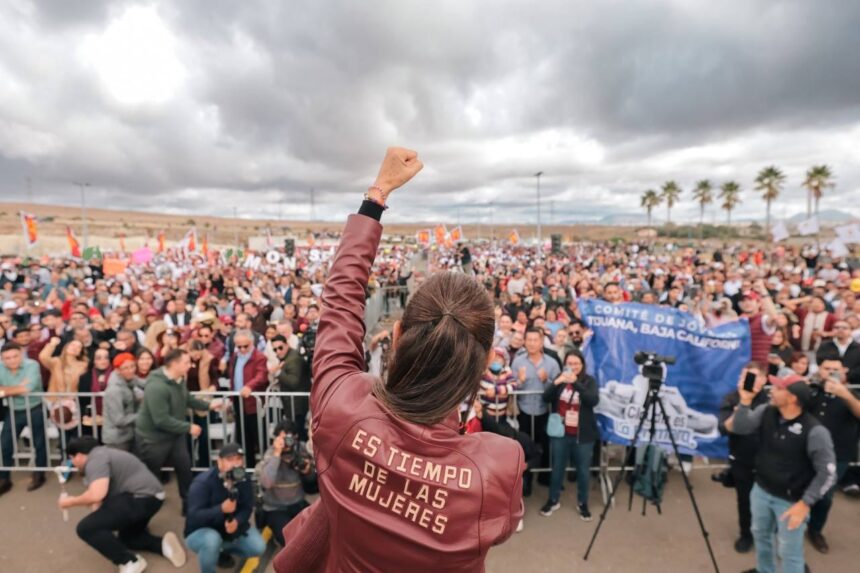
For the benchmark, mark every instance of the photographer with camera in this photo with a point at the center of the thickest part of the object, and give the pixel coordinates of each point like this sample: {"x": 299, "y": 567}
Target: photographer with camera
{"x": 220, "y": 502}
{"x": 124, "y": 497}
{"x": 285, "y": 473}
{"x": 795, "y": 466}
{"x": 838, "y": 410}
{"x": 742, "y": 453}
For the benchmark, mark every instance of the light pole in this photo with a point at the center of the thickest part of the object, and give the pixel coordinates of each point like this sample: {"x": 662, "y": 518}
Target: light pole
{"x": 540, "y": 243}
{"x": 83, "y": 186}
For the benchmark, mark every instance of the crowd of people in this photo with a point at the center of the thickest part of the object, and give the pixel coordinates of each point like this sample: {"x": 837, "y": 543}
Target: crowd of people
{"x": 125, "y": 368}
{"x": 128, "y": 359}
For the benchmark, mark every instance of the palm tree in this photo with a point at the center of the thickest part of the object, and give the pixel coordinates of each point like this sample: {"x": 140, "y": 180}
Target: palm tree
{"x": 650, "y": 199}
{"x": 703, "y": 193}
{"x": 670, "y": 193}
{"x": 818, "y": 178}
{"x": 730, "y": 193}
{"x": 769, "y": 181}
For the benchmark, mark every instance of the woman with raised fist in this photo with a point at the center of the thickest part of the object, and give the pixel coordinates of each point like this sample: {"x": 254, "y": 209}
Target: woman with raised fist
{"x": 401, "y": 488}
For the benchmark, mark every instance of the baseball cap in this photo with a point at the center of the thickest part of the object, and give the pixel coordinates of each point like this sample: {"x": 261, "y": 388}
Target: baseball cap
{"x": 752, "y": 295}
{"x": 231, "y": 450}
{"x": 818, "y": 283}
{"x": 796, "y": 384}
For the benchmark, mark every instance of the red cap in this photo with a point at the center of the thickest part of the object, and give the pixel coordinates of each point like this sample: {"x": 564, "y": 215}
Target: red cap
{"x": 752, "y": 295}
{"x": 122, "y": 358}
{"x": 784, "y": 383}
{"x": 226, "y": 319}
{"x": 94, "y": 312}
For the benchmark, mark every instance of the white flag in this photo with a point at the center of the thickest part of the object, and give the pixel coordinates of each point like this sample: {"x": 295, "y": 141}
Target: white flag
{"x": 849, "y": 233}
{"x": 779, "y": 232}
{"x": 837, "y": 248}
{"x": 808, "y": 227}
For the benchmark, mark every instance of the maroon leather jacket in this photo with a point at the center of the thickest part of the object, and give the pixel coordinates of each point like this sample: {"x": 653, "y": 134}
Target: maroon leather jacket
{"x": 254, "y": 374}
{"x": 394, "y": 495}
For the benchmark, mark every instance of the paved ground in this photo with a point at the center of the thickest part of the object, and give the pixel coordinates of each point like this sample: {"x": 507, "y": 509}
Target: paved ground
{"x": 34, "y": 539}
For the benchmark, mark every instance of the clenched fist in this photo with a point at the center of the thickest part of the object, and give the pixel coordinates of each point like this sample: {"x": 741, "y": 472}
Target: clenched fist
{"x": 399, "y": 166}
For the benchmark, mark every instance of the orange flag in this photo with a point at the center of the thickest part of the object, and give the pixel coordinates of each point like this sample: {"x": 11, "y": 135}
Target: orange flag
{"x": 74, "y": 245}
{"x": 422, "y": 237}
{"x": 160, "y": 242}
{"x": 457, "y": 234}
{"x": 440, "y": 232}
{"x": 514, "y": 237}
{"x": 204, "y": 245}
{"x": 189, "y": 243}
{"x": 31, "y": 229}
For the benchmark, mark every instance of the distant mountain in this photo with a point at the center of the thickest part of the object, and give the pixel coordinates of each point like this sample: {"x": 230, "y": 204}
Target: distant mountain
{"x": 619, "y": 219}
{"x": 826, "y": 216}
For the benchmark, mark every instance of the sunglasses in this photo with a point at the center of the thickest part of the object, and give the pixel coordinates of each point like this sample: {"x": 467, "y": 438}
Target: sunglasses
{"x": 279, "y": 348}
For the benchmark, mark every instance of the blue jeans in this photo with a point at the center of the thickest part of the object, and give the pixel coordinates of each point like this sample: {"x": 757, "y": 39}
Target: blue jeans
{"x": 567, "y": 449}
{"x": 766, "y": 512}
{"x": 819, "y": 511}
{"x": 37, "y": 433}
{"x": 207, "y": 543}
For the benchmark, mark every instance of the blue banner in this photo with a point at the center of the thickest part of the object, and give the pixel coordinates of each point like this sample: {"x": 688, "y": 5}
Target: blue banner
{"x": 708, "y": 365}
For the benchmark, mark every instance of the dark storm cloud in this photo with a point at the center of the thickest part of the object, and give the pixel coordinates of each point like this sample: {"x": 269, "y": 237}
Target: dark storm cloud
{"x": 276, "y": 97}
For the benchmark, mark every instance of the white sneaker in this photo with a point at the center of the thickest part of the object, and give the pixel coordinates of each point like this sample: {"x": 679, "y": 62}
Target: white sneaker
{"x": 136, "y": 566}
{"x": 172, "y": 549}
{"x": 520, "y": 526}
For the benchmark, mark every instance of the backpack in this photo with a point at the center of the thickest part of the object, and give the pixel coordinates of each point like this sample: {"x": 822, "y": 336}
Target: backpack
{"x": 650, "y": 473}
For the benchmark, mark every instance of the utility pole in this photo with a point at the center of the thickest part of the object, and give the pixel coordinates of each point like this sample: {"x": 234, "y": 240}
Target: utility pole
{"x": 83, "y": 186}
{"x": 540, "y": 242}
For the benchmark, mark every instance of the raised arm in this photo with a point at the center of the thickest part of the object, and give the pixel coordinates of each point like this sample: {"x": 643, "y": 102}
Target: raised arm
{"x": 339, "y": 350}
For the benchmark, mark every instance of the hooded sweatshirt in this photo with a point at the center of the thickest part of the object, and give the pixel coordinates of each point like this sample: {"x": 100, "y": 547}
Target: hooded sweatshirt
{"x": 164, "y": 413}
{"x": 120, "y": 409}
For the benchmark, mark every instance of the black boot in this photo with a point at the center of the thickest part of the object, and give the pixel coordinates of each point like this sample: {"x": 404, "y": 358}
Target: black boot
{"x": 37, "y": 481}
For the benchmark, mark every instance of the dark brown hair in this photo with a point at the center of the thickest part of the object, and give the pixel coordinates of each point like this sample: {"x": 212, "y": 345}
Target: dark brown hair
{"x": 174, "y": 355}
{"x": 445, "y": 338}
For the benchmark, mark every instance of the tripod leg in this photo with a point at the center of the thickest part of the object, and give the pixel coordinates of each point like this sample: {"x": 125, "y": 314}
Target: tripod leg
{"x": 619, "y": 477}
{"x": 688, "y": 485}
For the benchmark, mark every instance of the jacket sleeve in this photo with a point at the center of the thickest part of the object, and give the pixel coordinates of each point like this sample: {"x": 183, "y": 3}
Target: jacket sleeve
{"x": 306, "y": 542}
{"x": 291, "y": 374}
{"x": 114, "y": 410}
{"x": 244, "y": 503}
{"x": 199, "y": 515}
{"x": 589, "y": 395}
{"x": 550, "y": 394}
{"x": 194, "y": 402}
{"x": 727, "y": 408}
{"x": 259, "y": 378}
{"x": 339, "y": 348}
{"x": 157, "y": 402}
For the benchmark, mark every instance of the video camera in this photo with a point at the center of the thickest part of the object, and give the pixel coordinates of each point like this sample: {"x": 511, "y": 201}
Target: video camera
{"x": 652, "y": 365}
{"x": 292, "y": 453}
{"x": 232, "y": 478}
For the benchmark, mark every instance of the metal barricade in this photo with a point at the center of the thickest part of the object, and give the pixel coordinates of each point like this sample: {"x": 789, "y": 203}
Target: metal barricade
{"x": 49, "y": 420}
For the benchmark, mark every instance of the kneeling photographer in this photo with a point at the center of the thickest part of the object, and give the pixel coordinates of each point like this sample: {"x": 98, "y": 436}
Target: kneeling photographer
{"x": 218, "y": 522}
{"x": 285, "y": 475}
{"x": 124, "y": 497}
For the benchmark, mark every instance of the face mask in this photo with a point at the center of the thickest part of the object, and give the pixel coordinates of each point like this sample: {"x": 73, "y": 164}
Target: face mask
{"x": 495, "y": 368}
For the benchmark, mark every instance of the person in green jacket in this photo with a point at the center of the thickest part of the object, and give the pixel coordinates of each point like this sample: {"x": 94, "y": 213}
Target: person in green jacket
{"x": 163, "y": 420}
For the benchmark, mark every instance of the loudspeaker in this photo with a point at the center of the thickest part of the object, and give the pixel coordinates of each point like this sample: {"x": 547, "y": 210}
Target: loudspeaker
{"x": 290, "y": 247}
{"x": 556, "y": 243}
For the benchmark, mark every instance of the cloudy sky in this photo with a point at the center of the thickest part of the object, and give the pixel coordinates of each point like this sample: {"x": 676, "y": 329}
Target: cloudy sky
{"x": 203, "y": 106}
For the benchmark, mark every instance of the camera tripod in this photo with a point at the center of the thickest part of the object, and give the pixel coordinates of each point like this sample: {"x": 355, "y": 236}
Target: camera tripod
{"x": 652, "y": 402}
